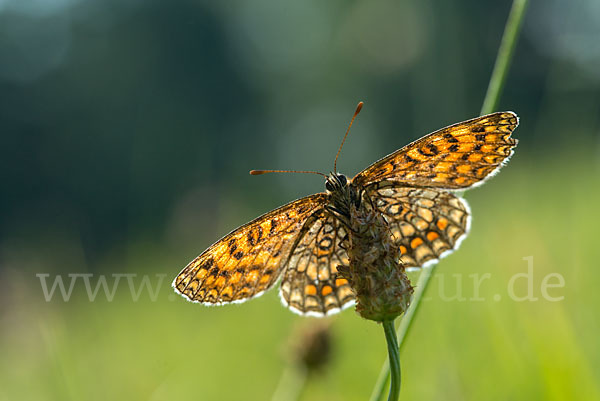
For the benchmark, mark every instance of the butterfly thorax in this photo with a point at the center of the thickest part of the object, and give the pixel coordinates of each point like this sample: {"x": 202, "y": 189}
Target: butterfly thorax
{"x": 375, "y": 273}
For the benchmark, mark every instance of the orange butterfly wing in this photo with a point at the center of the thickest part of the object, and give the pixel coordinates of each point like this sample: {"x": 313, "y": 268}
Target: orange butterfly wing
{"x": 456, "y": 157}
{"x": 426, "y": 223}
{"x": 310, "y": 285}
{"x": 250, "y": 259}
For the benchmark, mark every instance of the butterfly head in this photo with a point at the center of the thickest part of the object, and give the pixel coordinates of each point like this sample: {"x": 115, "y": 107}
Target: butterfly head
{"x": 342, "y": 193}
{"x": 336, "y": 182}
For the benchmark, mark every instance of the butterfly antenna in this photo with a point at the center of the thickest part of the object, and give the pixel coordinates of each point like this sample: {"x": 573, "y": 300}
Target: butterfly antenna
{"x": 260, "y": 172}
{"x": 358, "y": 108}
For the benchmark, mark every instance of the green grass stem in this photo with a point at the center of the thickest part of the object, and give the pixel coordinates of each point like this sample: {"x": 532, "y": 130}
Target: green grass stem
{"x": 394, "y": 361}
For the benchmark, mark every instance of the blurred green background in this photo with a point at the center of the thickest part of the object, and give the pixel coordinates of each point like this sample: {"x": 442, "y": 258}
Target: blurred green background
{"x": 127, "y": 131}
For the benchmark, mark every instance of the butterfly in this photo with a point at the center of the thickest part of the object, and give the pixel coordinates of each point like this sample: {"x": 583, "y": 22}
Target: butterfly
{"x": 304, "y": 242}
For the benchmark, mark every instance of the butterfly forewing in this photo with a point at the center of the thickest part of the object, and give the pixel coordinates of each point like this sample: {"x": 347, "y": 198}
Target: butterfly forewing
{"x": 250, "y": 259}
{"x": 456, "y": 157}
{"x": 310, "y": 284}
{"x": 426, "y": 223}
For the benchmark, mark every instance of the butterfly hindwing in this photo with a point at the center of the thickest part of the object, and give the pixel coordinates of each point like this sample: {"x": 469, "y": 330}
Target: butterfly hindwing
{"x": 426, "y": 223}
{"x": 310, "y": 284}
{"x": 250, "y": 259}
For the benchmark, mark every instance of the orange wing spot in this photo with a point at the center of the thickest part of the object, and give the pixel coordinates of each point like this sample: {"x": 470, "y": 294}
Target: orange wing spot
{"x": 385, "y": 169}
{"x": 227, "y": 292}
{"x": 465, "y": 138}
{"x": 245, "y": 292}
{"x": 326, "y": 290}
{"x": 235, "y": 278}
{"x": 209, "y": 281}
{"x": 503, "y": 150}
{"x": 192, "y": 287}
{"x": 220, "y": 282}
{"x": 488, "y": 148}
{"x": 442, "y": 167}
{"x": 201, "y": 274}
{"x": 262, "y": 258}
{"x": 183, "y": 282}
{"x": 322, "y": 252}
{"x": 266, "y": 226}
{"x": 252, "y": 276}
{"x": 463, "y": 168}
{"x": 491, "y": 128}
{"x": 460, "y": 180}
{"x": 475, "y": 157}
{"x": 403, "y": 250}
{"x": 465, "y": 147}
{"x": 441, "y": 177}
{"x": 415, "y": 154}
{"x": 491, "y": 158}
{"x": 442, "y": 223}
{"x": 265, "y": 279}
{"x": 310, "y": 290}
{"x": 452, "y": 157}
{"x": 414, "y": 244}
{"x": 220, "y": 249}
{"x": 432, "y": 235}
{"x": 340, "y": 282}
{"x": 482, "y": 171}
